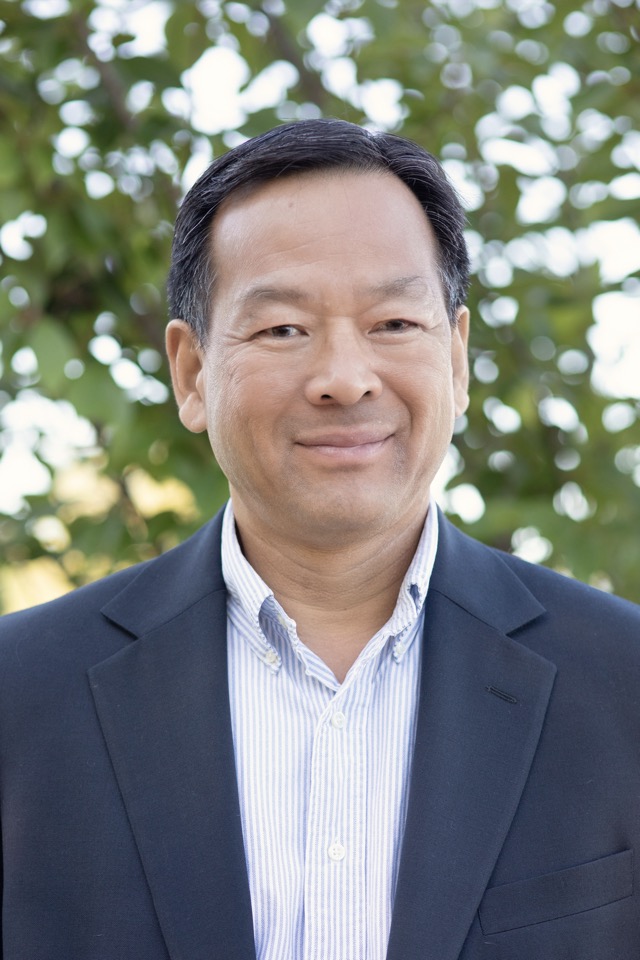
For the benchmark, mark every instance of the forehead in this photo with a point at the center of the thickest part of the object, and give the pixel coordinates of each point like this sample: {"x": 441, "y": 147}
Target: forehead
{"x": 324, "y": 223}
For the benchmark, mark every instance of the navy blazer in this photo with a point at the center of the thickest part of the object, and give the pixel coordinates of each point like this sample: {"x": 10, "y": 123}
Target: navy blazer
{"x": 121, "y": 834}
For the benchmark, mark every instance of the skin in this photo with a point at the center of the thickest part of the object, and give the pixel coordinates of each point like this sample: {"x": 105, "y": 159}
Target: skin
{"x": 328, "y": 387}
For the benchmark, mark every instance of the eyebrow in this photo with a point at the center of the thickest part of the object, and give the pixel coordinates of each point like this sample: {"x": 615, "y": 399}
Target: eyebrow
{"x": 268, "y": 294}
{"x": 411, "y": 288}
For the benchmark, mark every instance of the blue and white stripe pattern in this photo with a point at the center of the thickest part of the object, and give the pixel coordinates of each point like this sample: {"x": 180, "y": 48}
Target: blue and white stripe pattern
{"x": 323, "y": 768}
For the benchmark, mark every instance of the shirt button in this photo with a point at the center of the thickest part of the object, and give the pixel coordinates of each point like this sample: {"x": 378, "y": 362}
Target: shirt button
{"x": 336, "y": 852}
{"x": 271, "y": 657}
{"x": 338, "y": 720}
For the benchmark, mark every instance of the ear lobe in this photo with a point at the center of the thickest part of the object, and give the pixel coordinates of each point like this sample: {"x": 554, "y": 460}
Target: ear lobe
{"x": 185, "y": 362}
{"x": 460, "y": 361}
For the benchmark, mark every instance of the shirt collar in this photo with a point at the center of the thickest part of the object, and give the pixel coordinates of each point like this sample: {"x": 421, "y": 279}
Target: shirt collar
{"x": 253, "y": 599}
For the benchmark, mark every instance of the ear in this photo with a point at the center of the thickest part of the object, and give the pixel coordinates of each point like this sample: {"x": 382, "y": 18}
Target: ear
{"x": 185, "y": 361}
{"x": 460, "y": 361}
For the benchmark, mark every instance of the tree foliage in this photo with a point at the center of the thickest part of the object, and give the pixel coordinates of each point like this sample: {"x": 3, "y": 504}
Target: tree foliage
{"x": 110, "y": 109}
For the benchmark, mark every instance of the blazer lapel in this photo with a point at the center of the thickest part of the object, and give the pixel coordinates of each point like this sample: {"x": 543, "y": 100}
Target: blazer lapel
{"x": 482, "y": 707}
{"x": 164, "y": 710}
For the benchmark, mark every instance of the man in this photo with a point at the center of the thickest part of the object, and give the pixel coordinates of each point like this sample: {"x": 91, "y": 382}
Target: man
{"x": 329, "y": 726}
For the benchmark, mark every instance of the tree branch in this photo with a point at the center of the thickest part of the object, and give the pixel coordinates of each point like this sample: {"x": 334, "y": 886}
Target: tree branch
{"x": 112, "y": 83}
{"x": 286, "y": 49}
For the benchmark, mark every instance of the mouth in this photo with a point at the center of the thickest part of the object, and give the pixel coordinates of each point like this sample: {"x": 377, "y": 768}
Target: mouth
{"x": 350, "y": 446}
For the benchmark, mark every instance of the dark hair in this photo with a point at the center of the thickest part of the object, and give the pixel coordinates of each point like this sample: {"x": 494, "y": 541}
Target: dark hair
{"x": 296, "y": 148}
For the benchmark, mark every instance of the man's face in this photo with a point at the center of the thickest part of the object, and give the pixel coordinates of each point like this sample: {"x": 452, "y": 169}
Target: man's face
{"x": 331, "y": 377}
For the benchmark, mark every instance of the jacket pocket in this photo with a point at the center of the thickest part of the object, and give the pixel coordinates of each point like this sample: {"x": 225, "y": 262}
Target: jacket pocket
{"x": 554, "y": 895}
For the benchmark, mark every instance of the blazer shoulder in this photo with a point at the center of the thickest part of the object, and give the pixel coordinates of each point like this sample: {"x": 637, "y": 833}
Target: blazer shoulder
{"x": 562, "y": 592}
{"x": 563, "y": 619}
{"x": 69, "y": 606}
{"x": 53, "y": 629}
{"x": 466, "y": 567}
{"x": 75, "y": 624}
{"x": 591, "y": 636}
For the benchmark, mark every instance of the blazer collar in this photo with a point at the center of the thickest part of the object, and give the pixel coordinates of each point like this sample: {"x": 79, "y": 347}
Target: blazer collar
{"x": 170, "y": 584}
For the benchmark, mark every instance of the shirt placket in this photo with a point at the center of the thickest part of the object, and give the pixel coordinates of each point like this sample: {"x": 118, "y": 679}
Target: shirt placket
{"x": 335, "y": 895}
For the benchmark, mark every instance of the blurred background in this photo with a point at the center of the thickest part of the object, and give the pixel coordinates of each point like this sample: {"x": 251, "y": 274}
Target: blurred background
{"x": 109, "y": 111}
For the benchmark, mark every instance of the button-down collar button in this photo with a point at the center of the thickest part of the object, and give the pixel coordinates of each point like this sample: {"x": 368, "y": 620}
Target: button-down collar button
{"x": 271, "y": 657}
{"x": 338, "y": 720}
{"x": 336, "y": 851}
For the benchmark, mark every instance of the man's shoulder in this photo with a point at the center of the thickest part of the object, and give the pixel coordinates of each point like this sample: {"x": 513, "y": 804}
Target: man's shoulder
{"x": 564, "y": 603}
{"x": 566, "y": 595}
{"x": 76, "y": 621}
{"x": 67, "y": 628}
{"x": 67, "y": 607}
{"x": 591, "y": 637}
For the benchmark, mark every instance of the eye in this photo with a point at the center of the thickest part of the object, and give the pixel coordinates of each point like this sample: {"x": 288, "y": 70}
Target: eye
{"x": 282, "y": 332}
{"x": 395, "y": 326}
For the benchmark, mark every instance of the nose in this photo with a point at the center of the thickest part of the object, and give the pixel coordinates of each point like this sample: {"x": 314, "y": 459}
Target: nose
{"x": 342, "y": 370}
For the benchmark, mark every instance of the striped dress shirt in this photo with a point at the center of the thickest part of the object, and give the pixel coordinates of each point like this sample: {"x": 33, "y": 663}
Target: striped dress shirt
{"x": 323, "y": 767}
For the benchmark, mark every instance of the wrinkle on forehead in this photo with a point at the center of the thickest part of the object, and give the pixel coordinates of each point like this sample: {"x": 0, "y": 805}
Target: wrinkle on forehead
{"x": 414, "y": 289}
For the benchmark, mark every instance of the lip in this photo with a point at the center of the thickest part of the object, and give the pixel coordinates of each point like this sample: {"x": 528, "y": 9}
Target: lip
{"x": 346, "y": 438}
{"x": 346, "y": 447}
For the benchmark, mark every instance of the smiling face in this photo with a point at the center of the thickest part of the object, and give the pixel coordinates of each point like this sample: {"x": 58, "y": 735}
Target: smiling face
{"x": 331, "y": 377}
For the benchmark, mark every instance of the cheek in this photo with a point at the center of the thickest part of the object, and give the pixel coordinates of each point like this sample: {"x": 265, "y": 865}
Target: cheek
{"x": 245, "y": 403}
{"x": 427, "y": 386}
{"x": 229, "y": 388}
{"x": 260, "y": 390}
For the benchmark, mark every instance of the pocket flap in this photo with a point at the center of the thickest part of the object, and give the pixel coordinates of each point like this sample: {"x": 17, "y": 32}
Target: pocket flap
{"x": 554, "y": 895}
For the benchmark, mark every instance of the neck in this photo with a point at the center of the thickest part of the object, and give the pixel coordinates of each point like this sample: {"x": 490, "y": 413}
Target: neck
{"x": 339, "y": 597}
